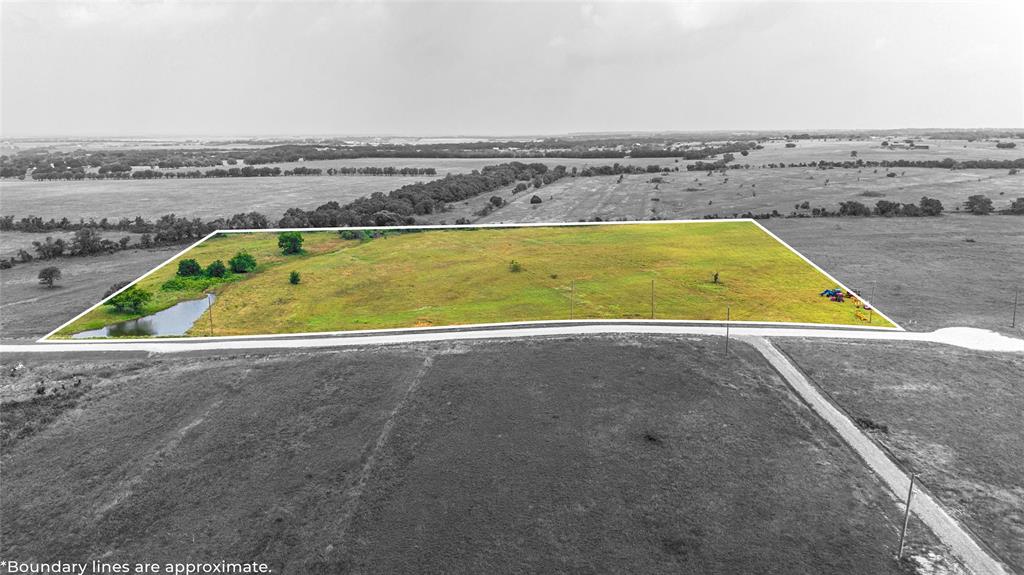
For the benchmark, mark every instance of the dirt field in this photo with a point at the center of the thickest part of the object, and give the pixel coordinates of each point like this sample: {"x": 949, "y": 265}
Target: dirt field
{"x": 637, "y": 455}
{"x": 29, "y": 310}
{"x": 954, "y": 416}
{"x": 687, "y": 195}
{"x": 204, "y": 198}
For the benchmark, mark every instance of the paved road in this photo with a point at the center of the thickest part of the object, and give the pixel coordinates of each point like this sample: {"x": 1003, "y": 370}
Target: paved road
{"x": 931, "y": 513}
{"x": 970, "y": 338}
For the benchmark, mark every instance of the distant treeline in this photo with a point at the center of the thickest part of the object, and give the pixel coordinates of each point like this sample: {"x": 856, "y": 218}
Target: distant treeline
{"x": 74, "y": 165}
{"x": 107, "y": 173}
{"x": 399, "y": 206}
{"x": 947, "y": 163}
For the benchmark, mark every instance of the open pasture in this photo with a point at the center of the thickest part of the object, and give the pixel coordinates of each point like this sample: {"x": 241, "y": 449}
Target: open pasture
{"x": 206, "y": 198}
{"x": 631, "y": 454}
{"x": 29, "y": 310}
{"x": 871, "y": 149}
{"x": 496, "y": 275}
{"x": 925, "y": 273}
{"x": 685, "y": 195}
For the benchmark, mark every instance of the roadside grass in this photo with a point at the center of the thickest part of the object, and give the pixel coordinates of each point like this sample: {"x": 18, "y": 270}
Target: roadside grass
{"x": 454, "y": 277}
{"x": 949, "y": 414}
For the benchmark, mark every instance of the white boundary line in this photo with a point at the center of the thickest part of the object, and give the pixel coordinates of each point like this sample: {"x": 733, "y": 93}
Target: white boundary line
{"x": 828, "y": 275}
{"x": 135, "y": 281}
{"x": 45, "y": 338}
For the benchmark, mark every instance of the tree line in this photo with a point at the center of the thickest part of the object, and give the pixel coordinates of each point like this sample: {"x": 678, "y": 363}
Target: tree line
{"x": 400, "y": 206}
{"x": 237, "y": 172}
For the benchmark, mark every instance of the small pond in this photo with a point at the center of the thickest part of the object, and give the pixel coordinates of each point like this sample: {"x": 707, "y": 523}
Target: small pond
{"x": 175, "y": 320}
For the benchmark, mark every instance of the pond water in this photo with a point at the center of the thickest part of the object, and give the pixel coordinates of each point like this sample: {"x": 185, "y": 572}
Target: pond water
{"x": 175, "y": 320}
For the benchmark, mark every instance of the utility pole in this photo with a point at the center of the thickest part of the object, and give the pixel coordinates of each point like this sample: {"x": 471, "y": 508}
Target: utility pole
{"x": 209, "y": 308}
{"x": 906, "y": 516}
{"x": 572, "y": 297}
{"x": 1016, "y": 294}
{"x": 727, "y": 318}
{"x": 871, "y": 312}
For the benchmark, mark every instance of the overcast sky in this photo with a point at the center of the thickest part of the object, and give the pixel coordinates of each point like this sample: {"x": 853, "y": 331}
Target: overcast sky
{"x": 428, "y": 68}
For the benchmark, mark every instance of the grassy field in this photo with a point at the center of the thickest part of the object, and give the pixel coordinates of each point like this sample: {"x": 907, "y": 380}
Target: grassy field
{"x": 688, "y": 195}
{"x": 606, "y": 455}
{"x": 450, "y": 277}
{"x": 952, "y": 415}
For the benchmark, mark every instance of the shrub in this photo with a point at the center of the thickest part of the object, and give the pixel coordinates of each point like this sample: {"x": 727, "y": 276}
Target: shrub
{"x": 114, "y": 288}
{"x": 1017, "y": 207}
{"x": 349, "y": 234}
{"x": 868, "y": 424}
{"x": 189, "y": 268}
{"x": 536, "y": 200}
{"x": 515, "y": 267}
{"x": 216, "y": 270}
{"x": 130, "y": 300}
{"x": 242, "y": 263}
{"x": 294, "y": 278}
{"x": 49, "y": 275}
{"x": 978, "y": 205}
{"x": 290, "y": 242}
{"x": 497, "y": 202}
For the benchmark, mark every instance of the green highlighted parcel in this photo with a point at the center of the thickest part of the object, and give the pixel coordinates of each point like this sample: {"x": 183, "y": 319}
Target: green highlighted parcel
{"x": 437, "y": 277}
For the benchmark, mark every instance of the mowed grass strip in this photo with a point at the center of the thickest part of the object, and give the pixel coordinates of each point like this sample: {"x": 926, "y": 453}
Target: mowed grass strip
{"x": 459, "y": 276}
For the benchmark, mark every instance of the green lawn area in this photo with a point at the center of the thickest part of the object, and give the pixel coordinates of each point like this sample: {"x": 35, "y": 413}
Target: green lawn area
{"x": 463, "y": 276}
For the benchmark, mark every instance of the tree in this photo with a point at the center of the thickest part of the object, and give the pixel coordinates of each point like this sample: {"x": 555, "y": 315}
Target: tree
{"x": 130, "y": 300}
{"x": 930, "y": 206}
{"x": 50, "y": 248}
{"x": 294, "y": 278}
{"x": 87, "y": 241}
{"x": 189, "y": 268}
{"x": 887, "y": 208}
{"x": 48, "y": 275}
{"x": 497, "y": 202}
{"x": 978, "y": 205}
{"x": 290, "y": 242}
{"x": 242, "y": 263}
{"x": 216, "y": 270}
{"x": 853, "y": 208}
